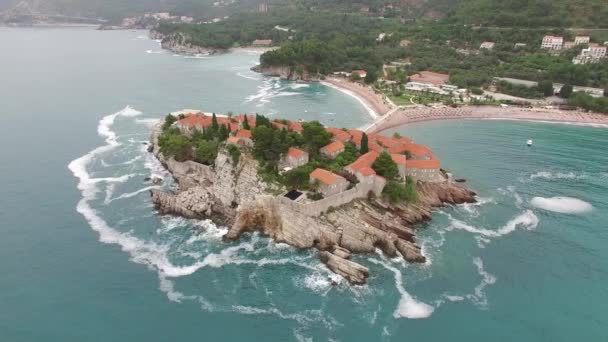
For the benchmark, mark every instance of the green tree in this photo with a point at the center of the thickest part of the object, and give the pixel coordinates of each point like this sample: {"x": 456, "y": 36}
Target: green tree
{"x": 214, "y": 125}
{"x": 565, "y": 91}
{"x": 396, "y": 192}
{"x": 315, "y": 136}
{"x": 246, "y": 123}
{"x": 169, "y": 120}
{"x": 206, "y": 152}
{"x": 385, "y": 166}
{"x": 176, "y": 145}
{"x": 546, "y": 87}
{"x": 364, "y": 144}
{"x": 371, "y": 76}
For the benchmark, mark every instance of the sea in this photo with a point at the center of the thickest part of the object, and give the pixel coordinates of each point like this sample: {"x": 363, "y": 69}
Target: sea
{"x": 85, "y": 257}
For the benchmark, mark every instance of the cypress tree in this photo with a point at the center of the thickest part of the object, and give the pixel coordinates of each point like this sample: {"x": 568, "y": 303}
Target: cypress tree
{"x": 246, "y": 123}
{"x": 364, "y": 144}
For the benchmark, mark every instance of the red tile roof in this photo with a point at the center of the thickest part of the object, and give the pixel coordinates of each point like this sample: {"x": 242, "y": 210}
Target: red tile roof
{"x": 204, "y": 121}
{"x": 243, "y": 133}
{"x": 339, "y": 134}
{"x": 363, "y": 163}
{"x": 279, "y": 125}
{"x": 325, "y": 176}
{"x": 233, "y": 140}
{"x": 387, "y": 142}
{"x": 423, "y": 164}
{"x": 366, "y": 171}
{"x": 295, "y": 152}
{"x": 333, "y": 147}
{"x": 356, "y": 136}
{"x": 375, "y": 147}
{"x": 295, "y": 126}
{"x": 399, "y": 159}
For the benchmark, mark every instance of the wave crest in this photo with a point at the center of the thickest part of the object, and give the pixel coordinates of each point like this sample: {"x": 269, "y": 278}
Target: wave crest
{"x": 564, "y": 205}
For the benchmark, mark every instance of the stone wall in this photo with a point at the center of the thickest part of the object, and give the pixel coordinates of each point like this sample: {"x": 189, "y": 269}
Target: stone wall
{"x": 361, "y": 190}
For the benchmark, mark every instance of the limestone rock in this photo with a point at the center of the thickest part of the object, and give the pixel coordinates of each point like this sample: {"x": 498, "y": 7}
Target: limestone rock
{"x": 350, "y": 270}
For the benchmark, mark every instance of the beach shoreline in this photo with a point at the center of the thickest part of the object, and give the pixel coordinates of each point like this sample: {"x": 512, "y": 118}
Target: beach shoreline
{"x": 405, "y": 116}
{"x": 374, "y": 103}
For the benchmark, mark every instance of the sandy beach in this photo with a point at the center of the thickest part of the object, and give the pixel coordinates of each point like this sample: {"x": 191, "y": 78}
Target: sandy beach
{"x": 375, "y": 103}
{"x": 409, "y": 115}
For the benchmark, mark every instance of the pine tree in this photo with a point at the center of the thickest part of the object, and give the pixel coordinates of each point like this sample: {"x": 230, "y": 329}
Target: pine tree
{"x": 246, "y": 123}
{"x": 364, "y": 144}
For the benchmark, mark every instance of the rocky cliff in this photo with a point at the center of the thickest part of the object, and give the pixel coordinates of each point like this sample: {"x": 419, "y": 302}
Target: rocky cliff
{"x": 286, "y": 73}
{"x": 234, "y": 195}
{"x": 181, "y": 43}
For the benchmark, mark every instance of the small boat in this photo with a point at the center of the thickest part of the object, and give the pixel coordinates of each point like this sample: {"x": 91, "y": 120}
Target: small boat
{"x": 529, "y": 142}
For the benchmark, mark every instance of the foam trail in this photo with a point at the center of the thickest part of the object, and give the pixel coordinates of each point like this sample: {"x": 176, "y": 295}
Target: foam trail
{"x": 527, "y": 220}
{"x": 559, "y": 175}
{"x": 408, "y": 306}
{"x": 563, "y": 205}
{"x": 478, "y": 296}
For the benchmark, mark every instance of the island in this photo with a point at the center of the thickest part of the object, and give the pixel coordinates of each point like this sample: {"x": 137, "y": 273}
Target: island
{"x": 341, "y": 191}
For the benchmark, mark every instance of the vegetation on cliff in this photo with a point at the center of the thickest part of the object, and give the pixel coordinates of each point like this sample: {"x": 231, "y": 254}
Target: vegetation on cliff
{"x": 200, "y": 146}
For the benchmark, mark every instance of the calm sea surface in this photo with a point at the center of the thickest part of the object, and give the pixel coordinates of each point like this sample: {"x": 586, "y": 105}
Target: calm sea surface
{"x": 84, "y": 257}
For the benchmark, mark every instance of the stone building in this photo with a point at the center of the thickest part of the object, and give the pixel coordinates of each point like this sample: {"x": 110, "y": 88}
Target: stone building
{"x": 332, "y": 150}
{"x": 329, "y": 182}
{"x": 293, "y": 158}
{"x": 424, "y": 170}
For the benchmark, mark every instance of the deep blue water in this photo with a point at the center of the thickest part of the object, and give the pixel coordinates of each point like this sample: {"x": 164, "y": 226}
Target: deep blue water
{"x": 83, "y": 256}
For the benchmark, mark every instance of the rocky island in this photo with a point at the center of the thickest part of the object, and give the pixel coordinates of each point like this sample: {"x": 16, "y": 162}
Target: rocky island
{"x": 339, "y": 191}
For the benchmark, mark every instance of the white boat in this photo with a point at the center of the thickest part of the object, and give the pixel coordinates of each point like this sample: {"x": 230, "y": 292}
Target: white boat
{"x": 529, "y": 142}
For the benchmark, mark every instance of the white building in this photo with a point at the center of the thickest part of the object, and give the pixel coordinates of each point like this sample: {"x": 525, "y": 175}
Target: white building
{"x": 592, "y": 54}
{"x": 581, "y": 40}
{"x": 487, "y": 45}
{"x": 552, "y": 42}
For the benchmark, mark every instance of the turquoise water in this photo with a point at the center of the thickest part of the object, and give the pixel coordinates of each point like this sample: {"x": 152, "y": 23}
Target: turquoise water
{"x": 84, "y": 256}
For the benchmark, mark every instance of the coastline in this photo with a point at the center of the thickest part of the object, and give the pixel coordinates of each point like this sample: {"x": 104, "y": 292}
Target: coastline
{"x": 375, "y": 104}
{"x": 405, "y": 116}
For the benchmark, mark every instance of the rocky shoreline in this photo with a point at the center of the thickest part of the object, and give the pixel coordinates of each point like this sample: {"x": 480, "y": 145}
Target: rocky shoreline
{"x": 179, "y": 43}
{"x": 286, "y": 73}
{"x": 234, "y": 195}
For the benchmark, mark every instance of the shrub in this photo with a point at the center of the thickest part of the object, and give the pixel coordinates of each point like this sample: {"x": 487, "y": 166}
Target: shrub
{"x": 396, "y": 192}
{"x": 235, "y": 153}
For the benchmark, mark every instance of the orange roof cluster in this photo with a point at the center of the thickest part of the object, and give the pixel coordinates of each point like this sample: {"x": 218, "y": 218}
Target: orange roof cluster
{"x": 338, "y": 134}
{"x": 295, "y": 152}
{"x": 430, "y": 77}
{"x": 363, "y": 163}
{"x": 244, "y": 133}
{"x": 295, "y": 126}
{"x": 250, "y": 119}
{"x": 333, "y": 147}
{"x": 399, "y": 159}
{"x": 204, "y": 121}
{"x": 424, "y": 164}
{"x": 325, "y": 176}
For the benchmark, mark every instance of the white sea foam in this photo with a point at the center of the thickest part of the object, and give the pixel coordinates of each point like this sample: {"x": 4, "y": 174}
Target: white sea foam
{"x": 142, "y": 252}
{"x": 557, "y": 175}
{"x": 408, "y": 306}
{"x": 128, "y": 162}
{"x": 564, "y": 205}
{"x": 478, "y": 296}
{"x": 298, "y": 85}
{"x": 135, "y": 193}
{"x": 154, "y": 51}
{"x": 526, "y": 220}
{"x": 248, "y": 76}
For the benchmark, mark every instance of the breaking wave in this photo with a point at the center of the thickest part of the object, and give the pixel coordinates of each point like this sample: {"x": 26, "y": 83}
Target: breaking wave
{"x": 563, "y": 205}
{"x": 408, "y": 306}
{"x": 557, "y": 175}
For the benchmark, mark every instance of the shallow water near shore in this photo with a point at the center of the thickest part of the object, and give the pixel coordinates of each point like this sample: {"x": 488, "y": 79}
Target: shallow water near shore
{"x": 85, "y": 257}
